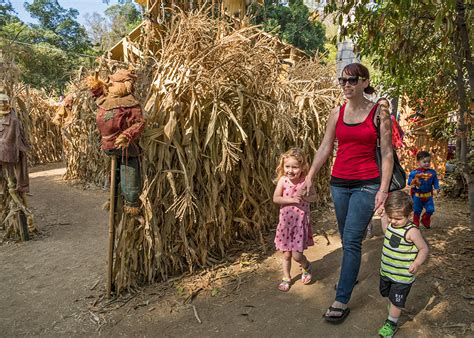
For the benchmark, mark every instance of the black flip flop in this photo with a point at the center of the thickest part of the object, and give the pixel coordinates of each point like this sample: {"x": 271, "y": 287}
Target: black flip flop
{"x": 337, "y": 319}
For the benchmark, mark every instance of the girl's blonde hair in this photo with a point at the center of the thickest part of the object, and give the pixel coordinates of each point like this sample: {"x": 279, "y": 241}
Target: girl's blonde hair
{"x": 297, "y": 154}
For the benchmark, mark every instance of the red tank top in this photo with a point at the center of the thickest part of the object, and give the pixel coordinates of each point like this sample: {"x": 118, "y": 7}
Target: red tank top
{"x": 355, "y": 157}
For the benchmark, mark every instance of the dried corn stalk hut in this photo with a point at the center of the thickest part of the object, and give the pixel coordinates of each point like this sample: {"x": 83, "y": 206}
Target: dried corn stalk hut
{"x": 219, "y": 113}
{"x": 220, "y": 106}
{"x": 36, "y": 111}
{"x": 85, "y": 162}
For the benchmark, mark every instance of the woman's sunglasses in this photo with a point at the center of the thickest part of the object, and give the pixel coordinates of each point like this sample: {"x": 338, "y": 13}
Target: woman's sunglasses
{"x": 353, "y": 80}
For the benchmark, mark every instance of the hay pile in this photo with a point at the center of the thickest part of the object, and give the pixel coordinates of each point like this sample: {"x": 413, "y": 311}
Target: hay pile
{"x": 81, "y": 142}
{"x": 36, "y": 112}
{"x": 220, "y": 110}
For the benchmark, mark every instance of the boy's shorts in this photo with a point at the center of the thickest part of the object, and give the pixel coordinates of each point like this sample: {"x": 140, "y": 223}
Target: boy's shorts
{"x": 396, "y": 292}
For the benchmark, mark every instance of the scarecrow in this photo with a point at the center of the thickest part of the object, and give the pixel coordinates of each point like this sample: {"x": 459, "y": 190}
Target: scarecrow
{"x": 13, "y": 160}
{"x": 64, "y": 114}
{"x": 120, "y": 122}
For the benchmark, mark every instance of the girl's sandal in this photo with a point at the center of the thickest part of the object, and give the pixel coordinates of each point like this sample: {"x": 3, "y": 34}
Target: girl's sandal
{"x": 284, "y": 285}
{"x": 306, "y": 274}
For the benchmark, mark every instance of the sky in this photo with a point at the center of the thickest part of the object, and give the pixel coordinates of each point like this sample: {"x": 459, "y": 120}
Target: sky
{"x": 83, "y": 6}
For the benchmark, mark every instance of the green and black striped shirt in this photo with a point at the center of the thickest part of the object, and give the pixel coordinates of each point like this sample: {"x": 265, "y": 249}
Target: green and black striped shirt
{"x": 398, "y": 254}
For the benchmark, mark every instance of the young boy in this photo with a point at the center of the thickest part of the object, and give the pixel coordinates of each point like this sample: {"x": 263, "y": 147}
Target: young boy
{"x": 423, "y": 180}
{"x": 404, "y": 250}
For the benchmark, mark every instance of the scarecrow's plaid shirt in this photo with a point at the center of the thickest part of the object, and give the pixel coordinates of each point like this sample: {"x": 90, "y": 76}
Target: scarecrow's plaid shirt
{"x": 128, "y": 121}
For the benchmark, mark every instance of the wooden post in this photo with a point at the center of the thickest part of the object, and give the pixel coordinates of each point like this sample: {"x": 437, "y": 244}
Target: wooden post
{"x": 113, "y": 166}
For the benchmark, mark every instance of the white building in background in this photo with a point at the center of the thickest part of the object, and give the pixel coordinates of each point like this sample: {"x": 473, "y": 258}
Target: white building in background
{"x": 316, "y": 5}
{"x": 346, "y": 51}
{"x": 345, "y": 55}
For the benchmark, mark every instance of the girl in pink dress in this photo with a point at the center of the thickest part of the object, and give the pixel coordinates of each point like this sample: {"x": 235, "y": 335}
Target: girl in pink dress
{"x": 293, "y": 234}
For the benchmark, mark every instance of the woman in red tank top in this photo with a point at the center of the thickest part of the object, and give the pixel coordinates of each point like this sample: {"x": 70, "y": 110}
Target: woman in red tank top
{"x": 357, "y": 186}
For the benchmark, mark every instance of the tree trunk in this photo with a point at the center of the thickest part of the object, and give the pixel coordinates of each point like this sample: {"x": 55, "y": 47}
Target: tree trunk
{"x": 394, "y": 103}
{"x": 458, "y": 147}
{"x": 465, "y": 43}
{"x": 462, "y": 140}
{"x": 462, "y": 131}
{"x": 470, "y": 187}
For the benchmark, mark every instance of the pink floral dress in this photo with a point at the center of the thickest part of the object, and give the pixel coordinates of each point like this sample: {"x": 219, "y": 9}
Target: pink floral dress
{"x": 294, "y": 231}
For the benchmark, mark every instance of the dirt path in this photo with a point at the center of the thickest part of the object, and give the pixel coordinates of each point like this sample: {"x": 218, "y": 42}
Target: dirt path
{"x": 43, "y": 281}
{"x": 50, "y": 286}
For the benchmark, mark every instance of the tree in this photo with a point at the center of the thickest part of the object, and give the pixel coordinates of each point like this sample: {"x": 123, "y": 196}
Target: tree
{"x": 119, "y": 1}
{"x": 123, "y": 17}
{"x": 49, "y": 52}
{"x": 7, "y": 13}
{"x": 424, "y": 50}
{"x": 54, "y": 18}
{"x": 98, "y": 31}
{"x": 119, "y": 20}
{"x": 292, "y": 24}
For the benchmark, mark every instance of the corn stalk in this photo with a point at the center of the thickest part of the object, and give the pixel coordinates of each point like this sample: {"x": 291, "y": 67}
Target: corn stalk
{"x": 220, "y": 108}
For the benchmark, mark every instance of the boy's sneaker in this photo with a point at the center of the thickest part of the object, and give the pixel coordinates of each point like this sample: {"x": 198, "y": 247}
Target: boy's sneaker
{"x": 388, "y": 329}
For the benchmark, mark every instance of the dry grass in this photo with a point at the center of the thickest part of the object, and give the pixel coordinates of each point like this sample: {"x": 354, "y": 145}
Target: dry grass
{"x": 220, "y": 109}
{"x": 36, "y": 112}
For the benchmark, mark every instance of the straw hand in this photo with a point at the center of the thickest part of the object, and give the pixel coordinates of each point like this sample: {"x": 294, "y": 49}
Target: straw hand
{"x": 121, "y": 141}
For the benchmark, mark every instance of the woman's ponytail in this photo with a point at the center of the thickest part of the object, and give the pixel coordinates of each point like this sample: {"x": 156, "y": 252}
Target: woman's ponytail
{"x": 369, "y": 90}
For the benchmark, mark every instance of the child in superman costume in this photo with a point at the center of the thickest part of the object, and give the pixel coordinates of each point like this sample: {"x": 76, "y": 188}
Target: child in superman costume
{"x": 424, "y": 182}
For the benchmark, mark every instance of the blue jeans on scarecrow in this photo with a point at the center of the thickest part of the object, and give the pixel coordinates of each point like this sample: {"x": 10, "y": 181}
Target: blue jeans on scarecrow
{"x": 129, "y": 178}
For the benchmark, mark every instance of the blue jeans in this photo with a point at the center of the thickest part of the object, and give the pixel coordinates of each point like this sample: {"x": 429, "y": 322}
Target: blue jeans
{"x": 354, "y": 210}
{"x": 128, "y": 177}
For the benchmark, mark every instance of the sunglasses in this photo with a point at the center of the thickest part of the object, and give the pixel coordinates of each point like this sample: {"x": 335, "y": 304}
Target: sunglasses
{"x": 353, "y": 80}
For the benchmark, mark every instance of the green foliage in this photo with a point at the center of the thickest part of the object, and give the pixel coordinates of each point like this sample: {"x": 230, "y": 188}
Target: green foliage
{"x": 119, "y": 20}
{"x": 49, "y": 52}
{"x": 411, "y": 43}
{"x": 331, "y": 51}
{"x": 7, "y": 13}
{"x": 127, "y": 12}
{"x": 46, "y": 53}
{"x": 291, "y": 24}
{"x": 62, "y": 22}
{"x": 123, "y": 18}
{"x": 119, "y": 1}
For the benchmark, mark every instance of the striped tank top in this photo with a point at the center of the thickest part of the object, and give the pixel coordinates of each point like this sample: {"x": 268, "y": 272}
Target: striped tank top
{"x": 398, "y": 254}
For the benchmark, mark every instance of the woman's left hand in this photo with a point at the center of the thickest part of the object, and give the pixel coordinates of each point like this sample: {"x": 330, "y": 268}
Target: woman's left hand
{"x": 380, "y": 198}
{"x": 308, "y": 183}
